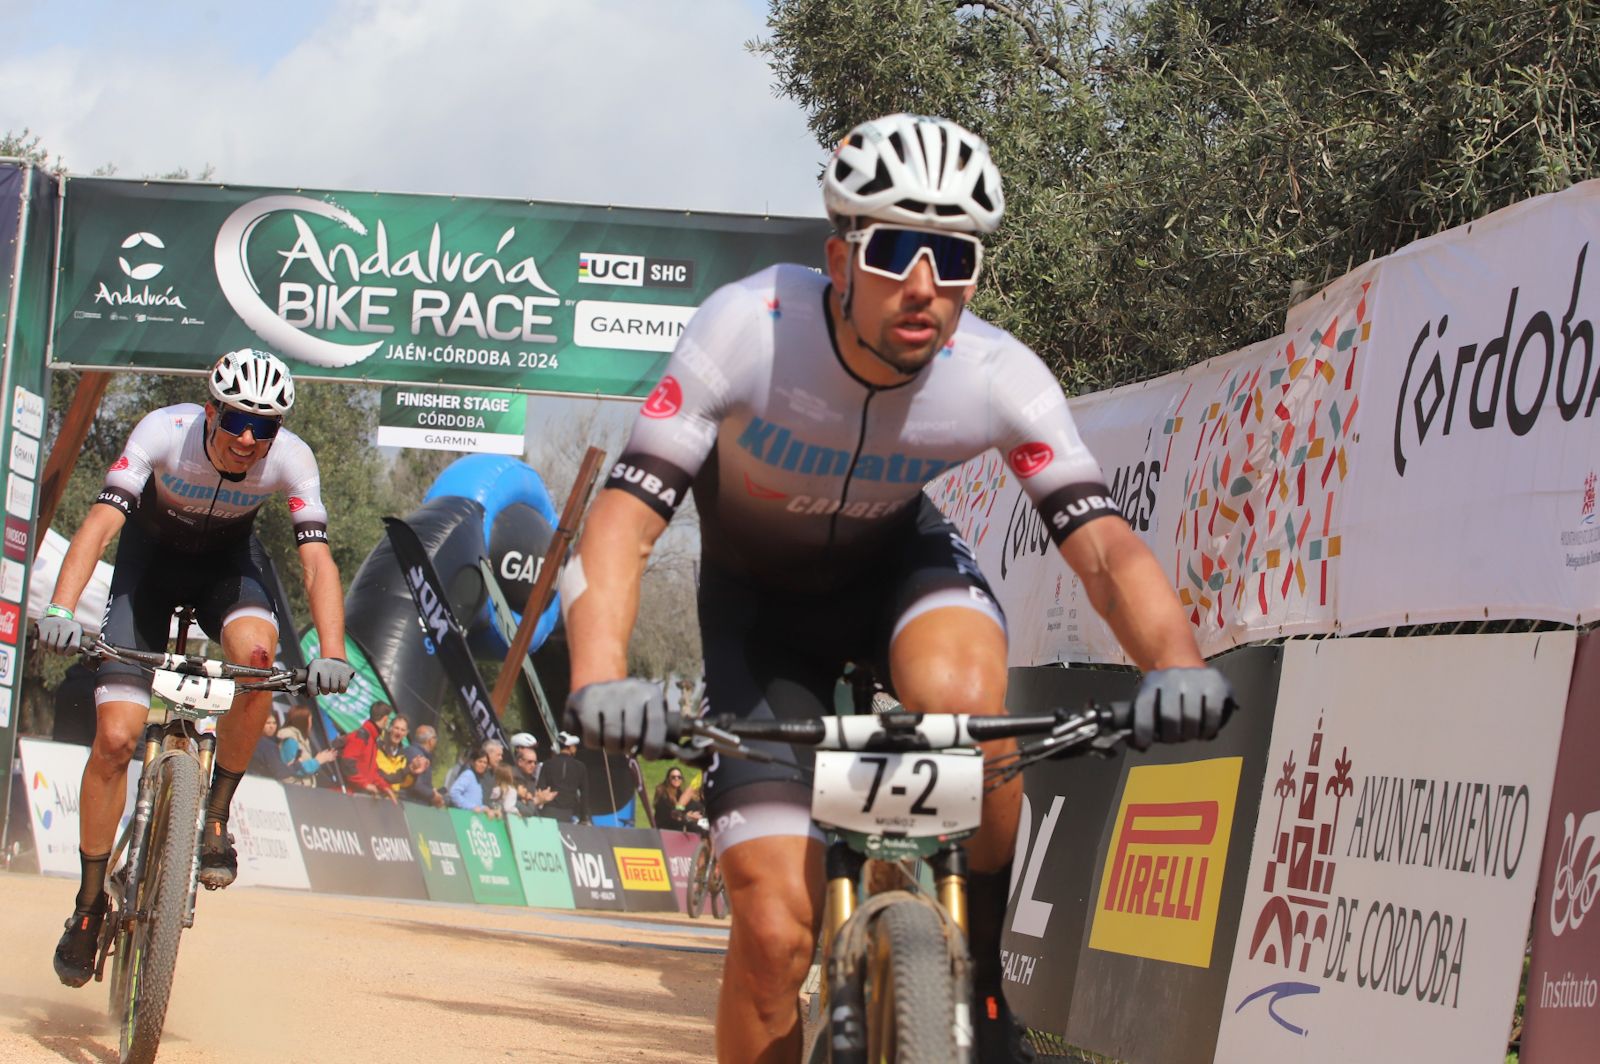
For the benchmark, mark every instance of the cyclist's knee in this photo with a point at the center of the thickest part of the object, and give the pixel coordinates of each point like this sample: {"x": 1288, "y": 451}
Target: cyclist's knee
{"x": 259, "y": 656}
{"x": 114, "y": 744}
{"x": 960, "y": 683}
{"x": 777, "y": 951}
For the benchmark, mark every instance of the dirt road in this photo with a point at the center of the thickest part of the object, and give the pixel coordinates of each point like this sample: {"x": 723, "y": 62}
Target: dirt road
{"x": 277, "y": 976}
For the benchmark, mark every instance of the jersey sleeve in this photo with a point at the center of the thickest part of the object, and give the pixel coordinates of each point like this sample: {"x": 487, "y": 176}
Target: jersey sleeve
{"x": 677, "y": 425}
{"x": 128, "y": 475}
{"x": 307, "y": 513}
{"x": 1035, "y": 432}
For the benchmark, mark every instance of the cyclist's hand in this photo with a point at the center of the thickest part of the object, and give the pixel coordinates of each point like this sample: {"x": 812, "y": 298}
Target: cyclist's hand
{"x": 60, "y": 634}
{"x": 621, "y": 717}
{"x": 329, "y": 676}
{"x": 1176, "y": 705}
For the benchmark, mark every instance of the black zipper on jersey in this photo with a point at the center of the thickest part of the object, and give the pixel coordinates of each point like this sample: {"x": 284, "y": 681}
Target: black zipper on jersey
{"x": 205, "y": 526}
{"x": 850, "y": 474}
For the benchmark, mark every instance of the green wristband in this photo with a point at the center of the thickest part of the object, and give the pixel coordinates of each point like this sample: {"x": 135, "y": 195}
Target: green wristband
{"x": 53, "y": 610}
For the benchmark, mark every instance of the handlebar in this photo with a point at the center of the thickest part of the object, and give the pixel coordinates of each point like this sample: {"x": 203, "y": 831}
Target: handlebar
{"x": 250, "y": 677}
{"x": 902, "y": 730}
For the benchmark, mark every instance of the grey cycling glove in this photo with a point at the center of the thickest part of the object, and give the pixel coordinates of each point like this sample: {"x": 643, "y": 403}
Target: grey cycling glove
{"x": 1176, "y": 705}
{"x": 621, "y": 717}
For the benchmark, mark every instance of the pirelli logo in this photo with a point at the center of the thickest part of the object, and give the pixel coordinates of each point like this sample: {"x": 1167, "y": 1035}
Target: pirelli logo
{"x": 642, "y": 869}
{"x": 1162, "y": 882}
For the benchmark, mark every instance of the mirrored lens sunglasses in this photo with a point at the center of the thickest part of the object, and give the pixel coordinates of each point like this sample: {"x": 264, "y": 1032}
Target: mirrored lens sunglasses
{"x": 234, "y": 421}
{"x": 892, "y": 250}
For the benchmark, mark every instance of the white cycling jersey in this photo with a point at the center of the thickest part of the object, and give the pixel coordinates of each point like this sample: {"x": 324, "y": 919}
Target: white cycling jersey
{"x": 803, "y": 471}
{"x": 164, "y": 482}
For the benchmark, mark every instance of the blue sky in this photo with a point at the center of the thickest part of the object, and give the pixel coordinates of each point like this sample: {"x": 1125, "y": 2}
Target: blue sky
{"x": 637, "y": 102}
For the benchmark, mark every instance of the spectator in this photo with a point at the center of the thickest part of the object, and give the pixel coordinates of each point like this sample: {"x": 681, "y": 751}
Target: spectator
{"x": 425, "y": 737}
{"x": 503, "y": 794}
{"x": 668, "y": 806}
{"x": 567, "y": 777}
{"x": 467, "y": 791}
{"x": 495, "y": 753}
{"x": 295, "y": 751}
{"x": 390, "y": 758}
{"x": 531, "y": 798}
{"x": 694, "y": 809}
{"x": 358, "y": 754}
{"x": 264, "y": 760}
{"x": 417, "y": 786}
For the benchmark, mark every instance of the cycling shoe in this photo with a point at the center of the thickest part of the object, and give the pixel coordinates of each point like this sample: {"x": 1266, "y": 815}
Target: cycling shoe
{"x": 79, "y": 948}
{"x": 219, "y": 862}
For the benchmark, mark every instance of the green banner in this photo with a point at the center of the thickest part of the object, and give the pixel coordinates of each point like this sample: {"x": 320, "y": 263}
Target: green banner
{"x": 438, "y": 852}
{"x": 491, "y": 867}
{"x": 443, "y": 419}
{"x": 346, "y": 712}
{"x": 542, "y": 862}
{"x": 534, "y": 297}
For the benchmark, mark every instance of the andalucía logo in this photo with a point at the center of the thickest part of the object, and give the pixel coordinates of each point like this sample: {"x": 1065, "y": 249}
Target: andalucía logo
{"x": 140, "y": 263}
{"x": 641, "y": 869}
{"x": 334, "y": 293}
{"x": 1162, "y": 882}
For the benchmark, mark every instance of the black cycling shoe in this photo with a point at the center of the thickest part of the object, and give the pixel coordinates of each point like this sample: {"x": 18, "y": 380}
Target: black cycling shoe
{"x": 998, "y": 1035}
{"x": 219, "y": 862}
{"x": 79, "y": 948}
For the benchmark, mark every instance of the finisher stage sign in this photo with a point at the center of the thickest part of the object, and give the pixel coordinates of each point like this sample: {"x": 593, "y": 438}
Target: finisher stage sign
{"x": 531, "y": 297}
{"x": 439, "y": 419}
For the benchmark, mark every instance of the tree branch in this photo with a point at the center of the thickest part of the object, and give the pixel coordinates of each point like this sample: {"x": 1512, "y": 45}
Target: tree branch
{"x": 1048, "y": 59}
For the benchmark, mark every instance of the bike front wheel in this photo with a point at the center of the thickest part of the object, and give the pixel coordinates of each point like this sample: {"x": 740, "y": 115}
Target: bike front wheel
{"x": 148, "y": 953}
{"x": 910, "y": 999}
{"x": 699, "y": 880}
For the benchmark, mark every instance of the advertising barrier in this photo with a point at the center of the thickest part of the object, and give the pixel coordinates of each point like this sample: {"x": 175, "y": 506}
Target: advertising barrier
{"x": 541, "y": 862}
{"x": 1396, "y": 854}
{"x": 334, "y": 843}
{"x": 536, "y": 297}
{"x": 1561, "y": 1020}
{"x": 486, "y": 849}
{"x": 52, "y": 773}
{"x": 433, "y": 835}
{"x": 388, "y": 839}
{"x": 1130, "y": 871}
{"x": 680, "y": 848}
{"x": 264, "y": 834}
{"x": 592, "y": 867}
{"x": 642, "y": 870}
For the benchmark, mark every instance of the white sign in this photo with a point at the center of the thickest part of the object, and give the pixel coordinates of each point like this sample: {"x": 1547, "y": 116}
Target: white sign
{"x": 51, "y": 774}
{"x": 451, "y": 440}
{"x": 24, "y": 455}
{"x": 19, "y": 496}
{"x": 5, "y": 707}
{"x": 264, "y": 834}
{"x": 27, "y": 412}
{"x": 1480, "y": 452}
{"x": 11, "y": 574}
{"x": 8, "y": 660}
{"x": 628, "y": 326}
{"x": 1398, "y": 849}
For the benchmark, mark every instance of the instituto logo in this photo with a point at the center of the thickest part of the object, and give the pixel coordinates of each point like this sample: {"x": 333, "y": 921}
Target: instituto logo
{"x": 1162, "y": 883}
{"x": 483, "y": 843}
{"x": 641, "y": 869}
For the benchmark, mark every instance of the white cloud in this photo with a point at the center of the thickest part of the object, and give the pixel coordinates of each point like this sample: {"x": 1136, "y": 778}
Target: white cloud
{"x": 636, "y": 102}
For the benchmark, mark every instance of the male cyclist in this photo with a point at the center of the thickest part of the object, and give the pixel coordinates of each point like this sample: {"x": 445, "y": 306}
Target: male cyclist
{"x": 807, "y": 411}
{"x": 184, "y": 494}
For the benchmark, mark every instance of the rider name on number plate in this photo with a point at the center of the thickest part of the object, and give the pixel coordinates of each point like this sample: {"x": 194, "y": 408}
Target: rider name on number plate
{"x": 912, "y": 794}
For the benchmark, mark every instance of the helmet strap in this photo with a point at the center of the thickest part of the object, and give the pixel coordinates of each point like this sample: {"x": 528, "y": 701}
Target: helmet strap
{"x": 208, "y": 442}
{"x": 846, "y": 304}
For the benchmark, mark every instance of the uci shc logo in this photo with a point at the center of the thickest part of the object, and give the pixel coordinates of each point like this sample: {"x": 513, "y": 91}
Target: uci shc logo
{"x": 140, "y": 271}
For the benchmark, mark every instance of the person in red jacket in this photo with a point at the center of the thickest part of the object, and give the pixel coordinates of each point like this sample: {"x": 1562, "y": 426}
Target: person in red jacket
{"x": 358, "y": 754}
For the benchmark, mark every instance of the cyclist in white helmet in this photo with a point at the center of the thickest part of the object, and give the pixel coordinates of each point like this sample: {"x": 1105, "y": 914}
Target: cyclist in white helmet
{"x": 184, "y": 495}
{"x": 806, "y": 412}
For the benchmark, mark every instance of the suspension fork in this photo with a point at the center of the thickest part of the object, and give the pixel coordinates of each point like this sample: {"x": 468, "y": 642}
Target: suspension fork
{"x": 206, "y": 742}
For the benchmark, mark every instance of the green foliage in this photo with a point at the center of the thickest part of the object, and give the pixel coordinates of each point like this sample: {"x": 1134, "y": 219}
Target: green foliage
{"x": 1173, "y": 168}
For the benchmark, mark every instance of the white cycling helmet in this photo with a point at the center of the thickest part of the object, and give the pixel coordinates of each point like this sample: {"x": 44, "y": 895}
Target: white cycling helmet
{"x": 914, "y": 170}
{"x": 253, "y": 380}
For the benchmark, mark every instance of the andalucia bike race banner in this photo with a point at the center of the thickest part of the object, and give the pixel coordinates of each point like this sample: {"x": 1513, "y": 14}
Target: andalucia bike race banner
{"x": 535, "y": 297}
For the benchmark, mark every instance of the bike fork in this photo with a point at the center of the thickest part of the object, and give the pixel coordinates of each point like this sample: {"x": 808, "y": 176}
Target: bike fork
{"x": 207, "y": 753}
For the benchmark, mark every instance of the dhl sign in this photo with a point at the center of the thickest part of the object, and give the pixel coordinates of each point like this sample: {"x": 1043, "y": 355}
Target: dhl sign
{"x": 1162, "y": 881}
{"x": 641, "y": 869}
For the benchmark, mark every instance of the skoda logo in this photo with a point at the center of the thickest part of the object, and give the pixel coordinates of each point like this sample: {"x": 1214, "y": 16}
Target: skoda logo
{"x": 140, "y": 271}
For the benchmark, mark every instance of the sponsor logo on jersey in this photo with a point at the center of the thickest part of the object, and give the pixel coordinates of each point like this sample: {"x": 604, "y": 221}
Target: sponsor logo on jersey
{"x": 1028, "y": 458}
{"x": 1162, "y": 883}
{"x": 632, "y": 476}
{"x": 120, "y": 463}
{"x": 761, "y": 491}
{"x": 296, "y": 504}
{"x": 665, "y": 400}
{"x": 243, "y": 500}
{"x": 777, "y": 446}
{"x": 642, "y": 869}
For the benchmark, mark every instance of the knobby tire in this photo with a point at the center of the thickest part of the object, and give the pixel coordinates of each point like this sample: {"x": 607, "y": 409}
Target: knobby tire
{"x": 920, "y": 983}
{"x": 699, "y": 880}
{"x": 153, "y": 957}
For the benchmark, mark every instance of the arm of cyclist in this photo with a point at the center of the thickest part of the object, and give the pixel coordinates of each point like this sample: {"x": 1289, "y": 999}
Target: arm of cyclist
{"x": 1180, "y": 697}
{"x": 330, "y": 673}
{"x": 58, "y": 629}
{"x": 600, "y": 594}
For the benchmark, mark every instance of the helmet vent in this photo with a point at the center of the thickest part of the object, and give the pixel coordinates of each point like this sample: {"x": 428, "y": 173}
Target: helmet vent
{"x": 980, "y": 193}
{"x": 880, "y": 181}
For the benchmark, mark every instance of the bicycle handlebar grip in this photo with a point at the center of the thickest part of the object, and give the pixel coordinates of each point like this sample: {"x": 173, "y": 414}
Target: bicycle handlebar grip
{"x": 301, "y": 676}
{"x": 781, "y": 731}
{"x": 1116, "y": 715}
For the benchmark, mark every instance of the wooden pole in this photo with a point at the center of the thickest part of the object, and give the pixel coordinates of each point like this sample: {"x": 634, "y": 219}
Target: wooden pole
{"x": 69, "y": 444}
{"x": 544, "y": 584}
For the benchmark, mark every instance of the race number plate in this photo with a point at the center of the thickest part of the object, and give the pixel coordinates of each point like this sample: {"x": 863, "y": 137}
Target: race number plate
{"x": 196, "y": 695}
{"x": 916, "y": 795}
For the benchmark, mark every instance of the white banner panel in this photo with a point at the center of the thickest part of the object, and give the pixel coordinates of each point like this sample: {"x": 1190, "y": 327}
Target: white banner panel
{"x": 1233, "y": 473}
{"x": 51, "y": 773}
{"x": 264, "y": 834}
{"x": 1397, "y": 852}
{"x": 1477, "y": 471}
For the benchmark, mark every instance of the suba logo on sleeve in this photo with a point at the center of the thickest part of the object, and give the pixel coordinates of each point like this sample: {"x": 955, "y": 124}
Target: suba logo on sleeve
{"x": 1162, "y": 882}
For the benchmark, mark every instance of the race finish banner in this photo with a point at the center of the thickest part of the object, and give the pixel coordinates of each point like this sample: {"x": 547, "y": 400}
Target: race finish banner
{"x": 533, "y": 297}
{"x": 441, "y": 628}
{"x": 438, "y": 419}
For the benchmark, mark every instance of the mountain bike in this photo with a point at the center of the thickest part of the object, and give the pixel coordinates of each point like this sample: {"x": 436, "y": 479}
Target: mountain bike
{"x": 156, "y": 862}
{"x": 706, "y": 888}
{"x": 889, "y": 788}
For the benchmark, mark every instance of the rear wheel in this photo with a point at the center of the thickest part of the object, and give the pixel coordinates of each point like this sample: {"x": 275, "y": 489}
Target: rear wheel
{"x": 699, "y": 879}
{"x": 148, "y": 956}
{"x": 910, "y": 999}
{"x": 717, "y": 890}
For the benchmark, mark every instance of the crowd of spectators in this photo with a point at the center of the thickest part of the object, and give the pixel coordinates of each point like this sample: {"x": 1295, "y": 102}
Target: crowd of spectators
{"x": 386, "y": 758}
